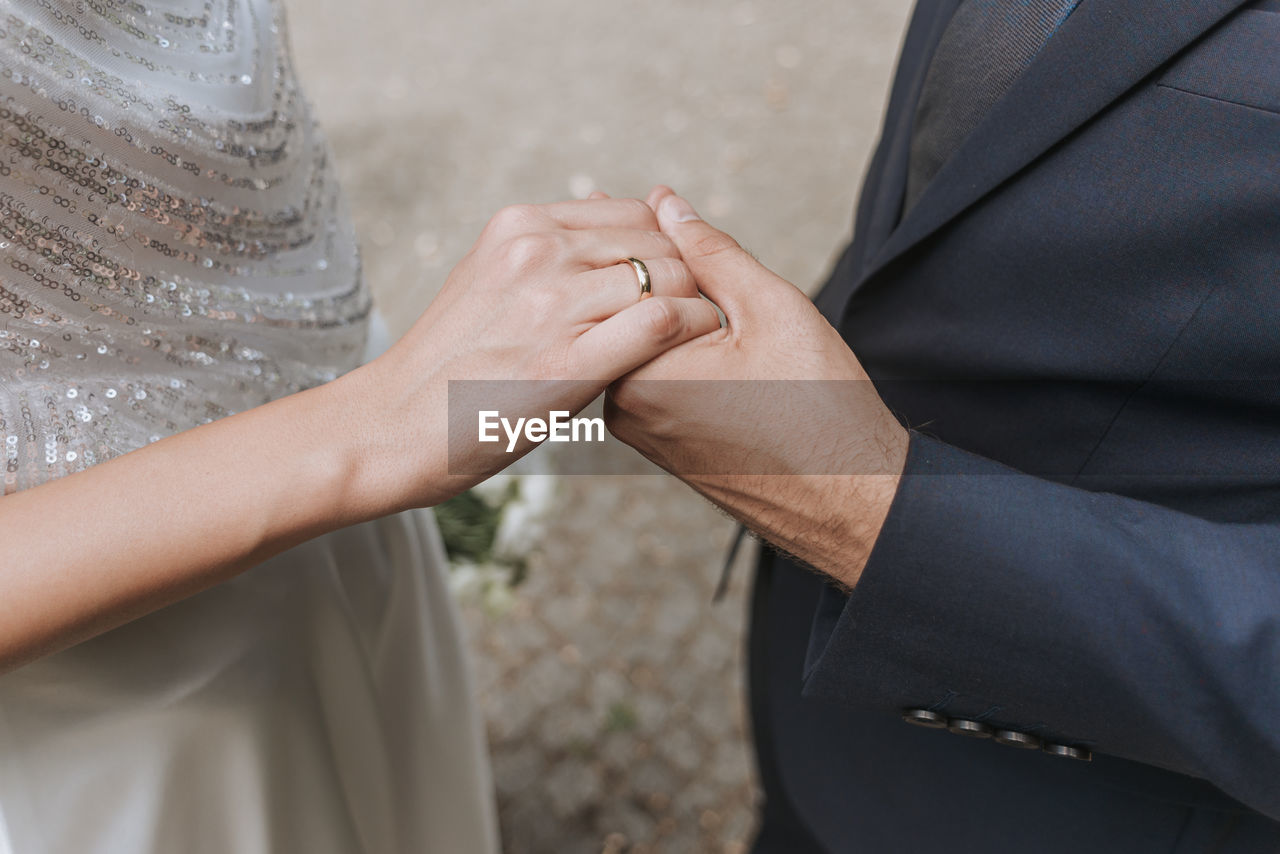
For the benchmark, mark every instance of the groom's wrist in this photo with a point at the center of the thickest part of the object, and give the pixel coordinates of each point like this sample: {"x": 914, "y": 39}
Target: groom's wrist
{"x": 829, "y": 521}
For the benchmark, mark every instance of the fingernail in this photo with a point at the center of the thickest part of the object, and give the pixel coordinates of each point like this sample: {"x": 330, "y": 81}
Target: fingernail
{"x": 676, "y": 209}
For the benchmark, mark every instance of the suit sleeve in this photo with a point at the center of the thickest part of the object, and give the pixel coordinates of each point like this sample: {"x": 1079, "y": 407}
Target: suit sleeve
{"x": 1108, "y": 622}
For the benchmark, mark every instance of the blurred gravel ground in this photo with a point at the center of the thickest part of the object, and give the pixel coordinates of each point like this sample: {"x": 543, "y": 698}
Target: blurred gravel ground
{"x": 613, "y": 688}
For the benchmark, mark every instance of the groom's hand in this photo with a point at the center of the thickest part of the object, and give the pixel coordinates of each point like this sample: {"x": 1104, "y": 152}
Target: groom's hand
{"x": 772, "y": 416}
{"x": 536, "y": 319}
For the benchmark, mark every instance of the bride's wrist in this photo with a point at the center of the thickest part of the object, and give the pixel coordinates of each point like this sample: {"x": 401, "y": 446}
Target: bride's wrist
{"x": 391, "y": 423}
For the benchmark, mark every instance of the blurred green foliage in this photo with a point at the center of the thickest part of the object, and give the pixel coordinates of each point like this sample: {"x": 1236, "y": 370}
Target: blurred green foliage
{"x": 468, "y": 525}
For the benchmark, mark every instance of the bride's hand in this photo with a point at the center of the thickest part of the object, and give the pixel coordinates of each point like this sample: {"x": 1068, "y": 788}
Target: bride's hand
{"x": 544, "y": 296}
{"x": 541, "y": 296}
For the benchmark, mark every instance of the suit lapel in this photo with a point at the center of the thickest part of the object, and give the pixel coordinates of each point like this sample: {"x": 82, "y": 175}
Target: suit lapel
{"x": 1101, "y": 51}
{"x": 892, "y": 183}
{"x": 880, "y": 201}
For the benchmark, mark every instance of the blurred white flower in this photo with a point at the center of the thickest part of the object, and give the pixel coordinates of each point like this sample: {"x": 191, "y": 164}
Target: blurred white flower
{"x": 524, "y": 520}
{"x": 498, "y": 599}
{"x": 494, "y": 490}
{"x": 487, "y": 585}
{"x": 518, "y": 532}
{"x": 467, "y": 580}
{"x": 489, "y": 543}
{"x": 539, "y": 492}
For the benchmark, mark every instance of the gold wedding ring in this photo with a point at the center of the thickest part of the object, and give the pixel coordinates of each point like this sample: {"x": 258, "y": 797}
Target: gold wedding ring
{"x": 642, "y": 274}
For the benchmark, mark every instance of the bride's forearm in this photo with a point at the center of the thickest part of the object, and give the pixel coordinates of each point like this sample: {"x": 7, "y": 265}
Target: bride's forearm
{"x": 90, "y": 551}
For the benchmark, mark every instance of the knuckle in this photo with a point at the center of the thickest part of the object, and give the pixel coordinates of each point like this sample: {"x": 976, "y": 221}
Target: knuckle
{"x": 527, "y": 251}
{"x": 621, "y": 425}
{"x": 681, "y": 274}
{"x": 664, "y": 269}
{"x": 514, "y": 218}
{"x": 615, "y": 410}
{"x": 633, "y": 419}
{"x": 664, "y": 246}
{"x": 674, "y": 276}
{"x": 620, "y": 407}
{"x": 714, "y": 243}
{"x": 662, "y": 320}
{"x": 639, "y": 211}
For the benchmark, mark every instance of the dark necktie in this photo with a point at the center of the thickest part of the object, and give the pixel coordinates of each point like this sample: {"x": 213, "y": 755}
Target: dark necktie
{"x": 984, "y": 48}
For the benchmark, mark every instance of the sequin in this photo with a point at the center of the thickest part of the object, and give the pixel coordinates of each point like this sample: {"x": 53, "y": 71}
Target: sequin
{"x": 167, "y": 228}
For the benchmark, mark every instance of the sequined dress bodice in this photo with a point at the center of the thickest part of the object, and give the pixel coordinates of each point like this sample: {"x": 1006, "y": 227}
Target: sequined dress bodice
{"x": 173, "y": 246}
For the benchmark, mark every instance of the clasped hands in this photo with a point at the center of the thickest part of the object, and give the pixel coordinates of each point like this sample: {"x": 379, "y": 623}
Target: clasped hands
{"x": 781, "y": 426}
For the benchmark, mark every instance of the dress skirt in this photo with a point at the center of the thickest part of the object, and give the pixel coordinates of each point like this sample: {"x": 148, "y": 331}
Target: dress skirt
{"x": 319, "y": 703}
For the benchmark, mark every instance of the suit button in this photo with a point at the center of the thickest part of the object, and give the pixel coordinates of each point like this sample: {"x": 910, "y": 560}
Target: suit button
{"x": 973, "y": 729}
{"x": 1068, "y": 751}
{"x": 1013, "y": 738}
{"x": 924, "y": 717}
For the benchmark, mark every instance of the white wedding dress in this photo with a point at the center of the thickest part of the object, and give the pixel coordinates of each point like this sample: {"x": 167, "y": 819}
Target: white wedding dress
{"x": 173, "y": 248}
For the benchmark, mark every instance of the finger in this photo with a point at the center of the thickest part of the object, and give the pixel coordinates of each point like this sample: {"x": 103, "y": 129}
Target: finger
{"x": 657, "y": 194}
{"x": 637, "y": 334}
{"x": 605, "y": 247}
{"x": 612, "y": 289}
{"x": 724, "y": 270}
{"x": 601, "y": 213}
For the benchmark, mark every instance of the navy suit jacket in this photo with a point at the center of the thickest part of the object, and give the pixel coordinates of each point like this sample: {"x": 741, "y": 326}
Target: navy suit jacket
{"x": 1081, "y": 319}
